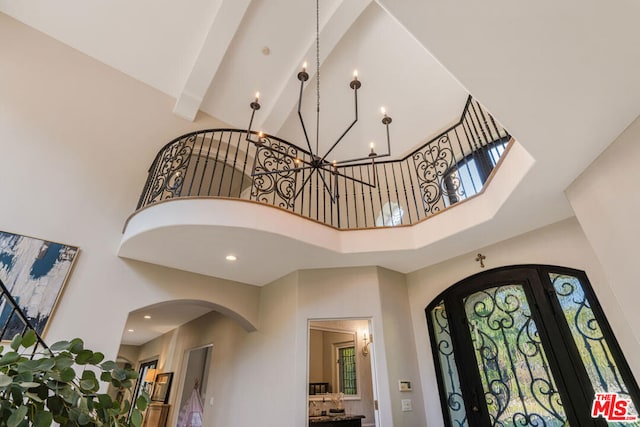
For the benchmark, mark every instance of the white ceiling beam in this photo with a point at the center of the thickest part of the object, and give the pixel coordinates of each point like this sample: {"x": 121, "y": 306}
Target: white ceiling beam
{"x": 223, "y": 28}
{"x": 339, "y": 22}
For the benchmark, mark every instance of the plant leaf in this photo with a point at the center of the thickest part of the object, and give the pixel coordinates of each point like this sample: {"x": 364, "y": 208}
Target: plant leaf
{"x": 5, "y": 380}
{"x": 16, "y": 393}
{"x": 96, "y": 358}
{"x": 29, "y": 338}
{"x": 63, "y": 361}
{"x": 33, "y": 397}
{"x": 24, "y": 376}
{"x": 88, "y": 374}
{"x": 105, "y": 400}
{"x": 136, "y": 418}
{"x": 88, "y": 384}
{"x": 45, "y": 364}
{"x": 17, "y": 417}
{"x": 109, "y": 365}
{"x": 141, "y": 403}
{"x": 83, "y": 419}
{"x": 9, "y": 358}
{"x": 43, "y": 419}
{"x": 118, "y": 374}
{"x": 67, "y": 375}
{"x": 54, "y": 403}
{"x": 60, "y": 346}
{"x": 28, "y": 365}
{"x": 28, "y": 384}
{"x": 83, "y": 357}
{"x": 16, "y": 341}
{"x": 76, "y": 346}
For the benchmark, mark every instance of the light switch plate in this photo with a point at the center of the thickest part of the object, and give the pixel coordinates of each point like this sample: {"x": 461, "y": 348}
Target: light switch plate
{"x": 406, "y": 405}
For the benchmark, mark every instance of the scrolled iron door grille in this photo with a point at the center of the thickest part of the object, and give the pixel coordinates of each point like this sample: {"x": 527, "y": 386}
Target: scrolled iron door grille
{"x": 525, "y": 346}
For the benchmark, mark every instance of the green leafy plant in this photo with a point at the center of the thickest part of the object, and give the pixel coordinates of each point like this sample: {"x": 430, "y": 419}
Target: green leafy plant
{"x": 62, "y": 385}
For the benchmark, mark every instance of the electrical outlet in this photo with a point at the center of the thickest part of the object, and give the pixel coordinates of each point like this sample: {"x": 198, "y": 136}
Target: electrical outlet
{"x": 406, "y": 405}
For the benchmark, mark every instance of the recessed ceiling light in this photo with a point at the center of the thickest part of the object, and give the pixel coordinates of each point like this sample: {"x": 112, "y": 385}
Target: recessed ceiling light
{"x": 147, "y": 317}
{"x": 129, "y": 330}
{"x": 231, "y": 258}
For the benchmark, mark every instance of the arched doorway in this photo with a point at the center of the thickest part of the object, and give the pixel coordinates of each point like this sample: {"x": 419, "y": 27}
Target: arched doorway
{"x": 527, "y": 346}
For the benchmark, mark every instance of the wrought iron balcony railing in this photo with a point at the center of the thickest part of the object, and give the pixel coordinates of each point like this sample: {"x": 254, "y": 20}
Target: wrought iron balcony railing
{"x": 223, "y": 163}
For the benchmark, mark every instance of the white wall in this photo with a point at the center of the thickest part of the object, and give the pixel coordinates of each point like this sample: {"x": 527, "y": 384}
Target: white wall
{"x": 129, "y": 354}
{"x": 606, "y": 200}
{"x": 400, "y": 348}
{"x": 77, "y": 138}
{"x": 562, "y": 244}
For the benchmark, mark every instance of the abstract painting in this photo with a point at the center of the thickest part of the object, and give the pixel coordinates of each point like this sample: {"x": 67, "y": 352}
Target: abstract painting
{"x": 35, "y": 272}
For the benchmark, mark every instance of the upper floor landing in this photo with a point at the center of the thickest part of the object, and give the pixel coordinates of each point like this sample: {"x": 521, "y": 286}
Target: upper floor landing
{"x": 276, "y": 208}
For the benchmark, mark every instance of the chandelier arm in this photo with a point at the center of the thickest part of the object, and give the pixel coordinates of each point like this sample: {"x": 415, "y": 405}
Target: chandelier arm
{"x": 386, "y": 120}
{"x": 248, "y": 138}
{"x": 355, "y": 97}
{"x": 368, "y": 184}
{"x": 370, "y": 157}
{"x": 273, "y": 172}
{"x": 359, "y": 159}
{"x": 304, "y": 128}
{"x": 302, "y": 186}
{"x": 324, "y": 181}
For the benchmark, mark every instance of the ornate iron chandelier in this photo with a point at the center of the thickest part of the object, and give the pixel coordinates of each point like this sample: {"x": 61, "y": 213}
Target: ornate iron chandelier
{"x": 318, "y": 163}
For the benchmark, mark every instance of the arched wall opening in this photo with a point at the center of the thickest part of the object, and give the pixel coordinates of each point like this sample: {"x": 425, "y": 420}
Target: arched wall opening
{"x": 162, "y": 334}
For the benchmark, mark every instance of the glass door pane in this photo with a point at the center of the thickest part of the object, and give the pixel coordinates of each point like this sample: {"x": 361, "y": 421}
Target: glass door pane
{"x": 448, "y": 370}
{"x": 595, "y": 352}
{"x": 518, "y": 384}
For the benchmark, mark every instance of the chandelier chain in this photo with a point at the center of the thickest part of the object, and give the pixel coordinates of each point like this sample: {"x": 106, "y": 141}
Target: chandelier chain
{"x": 317, "y": 75}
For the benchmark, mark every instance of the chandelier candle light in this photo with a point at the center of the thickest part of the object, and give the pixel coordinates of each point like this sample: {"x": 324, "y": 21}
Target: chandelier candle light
{"x": 317, "y": 162}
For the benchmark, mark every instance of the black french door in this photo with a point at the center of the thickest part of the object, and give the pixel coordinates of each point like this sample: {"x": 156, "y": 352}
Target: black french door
{"x": 525, "y": 346}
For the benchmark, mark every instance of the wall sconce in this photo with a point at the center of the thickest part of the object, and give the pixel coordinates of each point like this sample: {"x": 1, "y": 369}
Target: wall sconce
{"x": 367, "y": 340}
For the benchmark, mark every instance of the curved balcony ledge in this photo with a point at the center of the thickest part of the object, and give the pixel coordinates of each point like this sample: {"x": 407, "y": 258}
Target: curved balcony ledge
{"x": 195, "y": 234}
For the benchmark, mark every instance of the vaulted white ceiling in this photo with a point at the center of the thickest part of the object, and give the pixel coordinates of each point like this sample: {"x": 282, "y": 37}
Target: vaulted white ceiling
{"x": 562, "y": 77}
{"x": 210, "y": 56}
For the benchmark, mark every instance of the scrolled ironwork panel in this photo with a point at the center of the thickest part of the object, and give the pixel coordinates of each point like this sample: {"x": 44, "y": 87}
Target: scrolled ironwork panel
{"x": 593, "y": 348}
{"x": 449, "y": 370}
{"x": 519, "y": 387}
{"x": 171, "y": 169}
{"x": 432, "y": 164}
{"x": 274, "y": 180}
